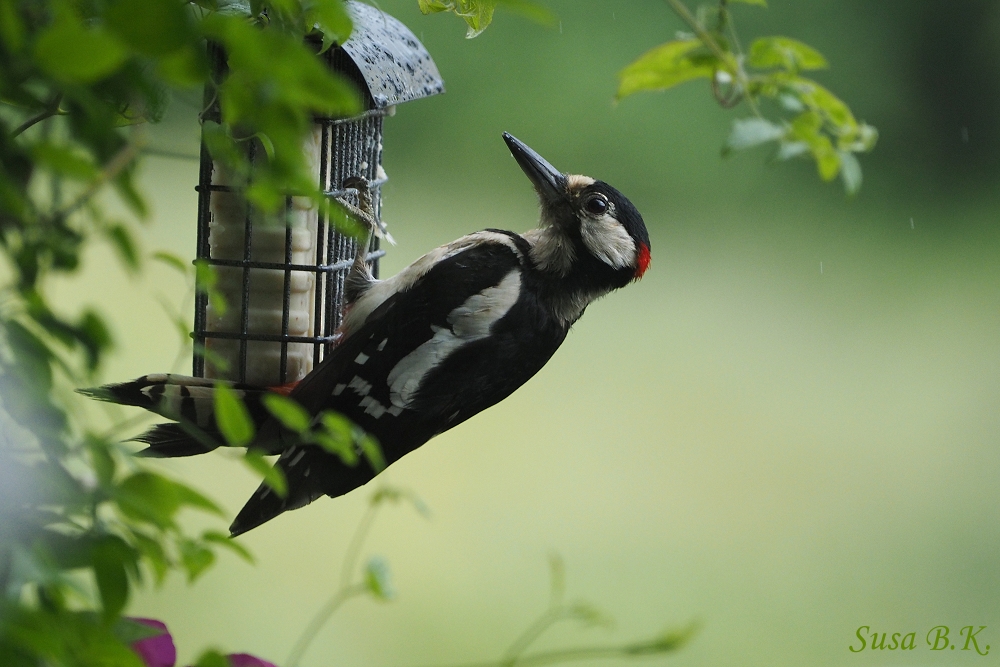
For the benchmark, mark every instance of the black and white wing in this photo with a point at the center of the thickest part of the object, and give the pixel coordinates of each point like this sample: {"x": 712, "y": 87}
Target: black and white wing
{"x": 420, "y": 353}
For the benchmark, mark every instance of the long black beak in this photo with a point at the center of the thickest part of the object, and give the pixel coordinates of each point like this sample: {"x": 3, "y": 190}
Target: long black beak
{"x": 549, "y": 181}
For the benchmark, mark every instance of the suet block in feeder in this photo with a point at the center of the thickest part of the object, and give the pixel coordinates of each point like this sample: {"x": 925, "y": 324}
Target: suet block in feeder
{"x": 283, "y": 280}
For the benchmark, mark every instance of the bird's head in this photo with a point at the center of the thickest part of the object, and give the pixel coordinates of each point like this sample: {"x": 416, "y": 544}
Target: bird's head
{"x": 584, "y": 222}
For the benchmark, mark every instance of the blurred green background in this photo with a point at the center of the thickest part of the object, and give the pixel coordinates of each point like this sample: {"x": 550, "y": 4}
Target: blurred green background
{"x": 788, "y": 429}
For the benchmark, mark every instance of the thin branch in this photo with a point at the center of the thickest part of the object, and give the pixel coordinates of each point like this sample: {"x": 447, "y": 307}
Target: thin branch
{"x": 176, "y": 155}
{"x": 111, "y": 170}
{"x": 344, "y": 593}
{"x": 51, "y": 110}
{"x": 584, "y": 653}
{"x": 533, "y": 632}
{"x": 353, "y": 552}
{"x": 685, "y": 14}
{"x": 320, "y": 619}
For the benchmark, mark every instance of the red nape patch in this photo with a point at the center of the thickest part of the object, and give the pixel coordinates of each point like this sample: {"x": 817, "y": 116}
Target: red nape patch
{"x": 283, "y": 389}
{"x": 642, "y": 263}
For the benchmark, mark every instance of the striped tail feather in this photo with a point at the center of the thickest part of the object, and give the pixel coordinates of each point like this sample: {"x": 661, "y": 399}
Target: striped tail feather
{"x": 172, "y": 439}
{"x": 188, "y": 401}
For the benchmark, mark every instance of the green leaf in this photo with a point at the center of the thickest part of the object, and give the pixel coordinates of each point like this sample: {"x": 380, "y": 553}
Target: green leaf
{"x": 478, "y": 14}
{"x": 148, "y": 497}
{"x": 759, "y": 3}
{"x": 152, "y": 498}
{"x": 790, "y": 149}
{"x": 188, "y": 497}
{"x": 94, "y": 336}
{"x": 336, "y": 435}
{"x": 65, "y": 161}
{"x": 665, "y": 66}
{"x": 154, "y": 553}
{"x": 292, "y": 416}
{"x": 860, "y": 140}
{"x": 667, "y": 641}
{"x": 185, "y": 67}
{"x": 101, "y": 460}
{"x": 373, "y": 452}
{"x": 69, "y": 52}
{"x": 331, "y": 19}
{"x": 807, "y": 127}
{"x": 830, "y": 107}
{"x": 212, "y": 658}
{"x": 850, "y": 172}
{"x": 196, "y": 558}
{"x": 128, "y": 631}
{"x": 172, "y": 260}
{"x": 749, "y": 132}
{"x": 272, "y": 475}
{"x": 227, "y": 542}
{"x": 151, "y": 27}
{"x": 378, "y": 579}
{"x": 121, "y": 239}
{"x": 111, "y": 559}
{"x": 787, "y": 53}
{"x": 232, "y": 416}
{"x": 11, "y": 26}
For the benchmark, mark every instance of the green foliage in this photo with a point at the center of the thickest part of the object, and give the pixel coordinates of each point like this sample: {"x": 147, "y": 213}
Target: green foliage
{"x": 82, "y": 523}
{"x": 232, "y": 417}
{"x": 478, "y": 14}
{"x": 378, "y": 579}
{"x": 330, "y": 430}
{"x": 807, "y": 119}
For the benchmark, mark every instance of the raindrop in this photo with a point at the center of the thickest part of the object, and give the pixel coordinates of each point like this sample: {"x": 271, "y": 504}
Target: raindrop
{"x": 911, "y": 223}
{"x": 965, "y": 135}
{"x": 821, "y": 268}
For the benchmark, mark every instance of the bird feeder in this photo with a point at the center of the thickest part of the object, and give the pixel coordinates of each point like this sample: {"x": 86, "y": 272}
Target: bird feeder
{"x": 283, "y": 280}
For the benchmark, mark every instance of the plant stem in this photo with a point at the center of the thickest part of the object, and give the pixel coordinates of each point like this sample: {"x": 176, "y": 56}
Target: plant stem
{"x": 51, "y": 110}
{"x": 320, "y": 619}
{"x": 685, "y": 14}
{"x": 110, "y": 171}
{"x": 534, "y": 631}
{"x": 357, "y": 541}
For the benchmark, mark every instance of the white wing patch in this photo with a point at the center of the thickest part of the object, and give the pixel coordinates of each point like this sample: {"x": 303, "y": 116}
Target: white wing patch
{"x": 405, "y": 279}
{"x": 469, "y": 322}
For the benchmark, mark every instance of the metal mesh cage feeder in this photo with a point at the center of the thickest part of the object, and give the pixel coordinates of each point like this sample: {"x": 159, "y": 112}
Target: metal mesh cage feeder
{"x": 283, "y": 279}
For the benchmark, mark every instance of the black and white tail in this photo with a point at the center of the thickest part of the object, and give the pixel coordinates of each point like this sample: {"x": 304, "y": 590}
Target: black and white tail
{"x": 188, "y": 401}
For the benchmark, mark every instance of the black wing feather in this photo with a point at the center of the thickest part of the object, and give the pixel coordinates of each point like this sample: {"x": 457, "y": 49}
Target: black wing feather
{"x": 397, "y": 326}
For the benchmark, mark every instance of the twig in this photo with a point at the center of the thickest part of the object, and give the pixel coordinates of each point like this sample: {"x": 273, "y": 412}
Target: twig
{"x": 176, "y": 155}
{"x": 110, "y": 171}
{"x": 51, "y": 110}
{"x": 572, "y": 654}
{"x": 354, "y": 548}
{"x": 533, "y": 632}
{"x": 344, "y": 593}
{"x": 320, "y": 619}
{"x": 685, "y": 14}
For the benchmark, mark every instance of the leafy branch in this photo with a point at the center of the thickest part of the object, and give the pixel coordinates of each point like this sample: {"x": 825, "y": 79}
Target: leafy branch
{"x": 807, "y": 119}
{"x": 478, "y": 14}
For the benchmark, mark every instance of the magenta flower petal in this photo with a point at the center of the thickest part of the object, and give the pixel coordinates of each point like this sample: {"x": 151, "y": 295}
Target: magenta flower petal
{"x": 247, "y": 660}
{"x": 158, "y": 651}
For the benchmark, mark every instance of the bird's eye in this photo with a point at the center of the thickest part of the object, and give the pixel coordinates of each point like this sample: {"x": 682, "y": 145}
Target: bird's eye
{"x": 596, "y": 205}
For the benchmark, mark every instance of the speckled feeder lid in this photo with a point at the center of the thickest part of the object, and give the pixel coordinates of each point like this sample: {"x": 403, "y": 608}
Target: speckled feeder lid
{"x": 394, "y": 64}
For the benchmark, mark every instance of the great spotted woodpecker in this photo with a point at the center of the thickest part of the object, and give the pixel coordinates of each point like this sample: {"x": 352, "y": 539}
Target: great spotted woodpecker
{"x": 450, "y": 335}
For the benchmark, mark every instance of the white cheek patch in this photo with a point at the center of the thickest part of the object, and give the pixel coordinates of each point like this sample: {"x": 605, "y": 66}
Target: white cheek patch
{"x": 469, "y": 322}
{"x": 608, "y": 241}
